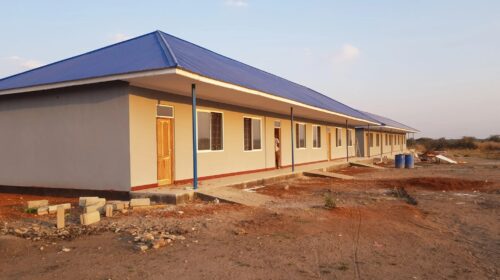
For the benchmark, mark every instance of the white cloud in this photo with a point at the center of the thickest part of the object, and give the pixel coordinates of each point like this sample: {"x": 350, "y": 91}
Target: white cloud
{"x": 236, "y": 3}
{"x": 347, "y": 53}
{"x": 118, "y": 37}
{"x": 24, "y": 63}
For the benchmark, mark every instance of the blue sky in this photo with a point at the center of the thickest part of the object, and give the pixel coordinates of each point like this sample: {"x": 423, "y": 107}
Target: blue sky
{"x": 434, "y": 65}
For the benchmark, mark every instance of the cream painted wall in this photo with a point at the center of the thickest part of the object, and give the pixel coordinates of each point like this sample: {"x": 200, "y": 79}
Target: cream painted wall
{"x": 231, "y": 159}
{"x": 375, "y": 150}
{"x": 341, "y": 151}
{"x": 68, "y": 138}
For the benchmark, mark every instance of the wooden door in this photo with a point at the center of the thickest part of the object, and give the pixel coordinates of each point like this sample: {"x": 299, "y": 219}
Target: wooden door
{"x": 164, "y": 142}
{"x": 329, "y": 143}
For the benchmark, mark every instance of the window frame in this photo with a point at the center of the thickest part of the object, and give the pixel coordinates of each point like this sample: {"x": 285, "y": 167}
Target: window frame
{"x": 297, "y": 142}
{"x": 210, "y": 131}
{"x": 251, "y": 129}
{"x": 349, "y": 136}
{"x": 165, "y": 117}
{"x": 316, "y": 126}
{"x": 338, "y": 137}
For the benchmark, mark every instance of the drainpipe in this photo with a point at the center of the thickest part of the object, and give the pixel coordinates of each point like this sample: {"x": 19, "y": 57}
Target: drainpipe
{"x": 291, "y": 122}
{"x": 195, "y": 148}
{"x": 347, "y": 140}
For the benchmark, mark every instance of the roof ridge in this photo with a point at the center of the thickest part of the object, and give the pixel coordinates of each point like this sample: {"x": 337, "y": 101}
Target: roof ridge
{"x": 269, "y": 73}
{"x": 166, "y": 47}
{"x": 89, "y": 52}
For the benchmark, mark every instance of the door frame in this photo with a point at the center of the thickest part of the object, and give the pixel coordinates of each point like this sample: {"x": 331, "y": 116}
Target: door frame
{"x": 172, "y": 138}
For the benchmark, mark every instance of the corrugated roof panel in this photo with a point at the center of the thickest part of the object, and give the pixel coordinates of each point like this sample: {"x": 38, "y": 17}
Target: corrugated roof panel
{"x": 138, "y": 54}
{"x": 213, "y": 65}
{"x": 389, "y": 122}
{"x": 158, "y": 50}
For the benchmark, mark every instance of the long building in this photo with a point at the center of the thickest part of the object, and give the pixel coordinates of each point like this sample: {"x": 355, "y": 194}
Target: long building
{"x": 158, "y": 110}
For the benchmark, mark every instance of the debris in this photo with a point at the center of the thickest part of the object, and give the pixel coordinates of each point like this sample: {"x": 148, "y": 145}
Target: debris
{"x": 35, "y": 204}
{"x": 446, "y": 159}
{"x": 64, "y": 249}
{"x": 60, "y": 217}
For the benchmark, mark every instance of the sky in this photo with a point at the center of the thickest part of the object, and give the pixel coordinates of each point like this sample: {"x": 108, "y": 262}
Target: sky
{"x": 433, "y": 65}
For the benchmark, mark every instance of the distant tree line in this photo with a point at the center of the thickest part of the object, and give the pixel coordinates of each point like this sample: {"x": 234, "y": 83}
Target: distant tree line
{"x": 464, "y": 143}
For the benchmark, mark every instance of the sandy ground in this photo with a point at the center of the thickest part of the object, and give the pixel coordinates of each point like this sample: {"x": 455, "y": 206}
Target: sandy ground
{"x": 452, "y": 233}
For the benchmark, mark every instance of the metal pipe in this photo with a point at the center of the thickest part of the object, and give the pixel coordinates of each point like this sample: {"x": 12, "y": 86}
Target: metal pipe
{"x": 291, "y": 122}
{"x": 195, "y": 142}
{"x": 347, "y": 140}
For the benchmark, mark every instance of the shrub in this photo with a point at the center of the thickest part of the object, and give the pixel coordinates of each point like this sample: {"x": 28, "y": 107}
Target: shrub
{"x": 329, "y": 201}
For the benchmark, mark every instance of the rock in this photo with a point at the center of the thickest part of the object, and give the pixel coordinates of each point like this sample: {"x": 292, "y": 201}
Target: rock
{"x": 64, "y": 249}
{"x": 142, "y": 248}
{"x": 159, "y": 243}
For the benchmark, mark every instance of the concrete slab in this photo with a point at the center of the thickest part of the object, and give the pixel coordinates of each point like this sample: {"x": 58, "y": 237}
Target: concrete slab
{"x": 318, "y": 173}
{"x": 363, "y": 164}
{"x": 234, "y": 195}
{"x": 165, "y": 195}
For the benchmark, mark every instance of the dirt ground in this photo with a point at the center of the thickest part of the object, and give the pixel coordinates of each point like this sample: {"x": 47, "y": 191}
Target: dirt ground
{"x": 453, "y": 232}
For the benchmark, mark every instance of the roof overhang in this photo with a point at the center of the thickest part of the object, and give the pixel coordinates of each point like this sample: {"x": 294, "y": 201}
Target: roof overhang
{"x": 178, "y": 81}
{"x": 389, "y": 129}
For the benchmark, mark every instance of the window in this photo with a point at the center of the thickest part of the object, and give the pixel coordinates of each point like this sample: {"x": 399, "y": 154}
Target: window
{"x": 252, "y": 134}
{"x": 164, "y": 111}
{"x": 300, "y": 133}
{"x": 338, "y": 137}
{"x": 277, "y": 124}
{"x": 386, "y": 141}
{"x": 316, "y": 136}
{"x": 378, "y": 139}
{"x": 349, "y": 138}
{"x": 390, "y": 139}
{"x": 209, "y": 131}
{"x": 370, "y": 139}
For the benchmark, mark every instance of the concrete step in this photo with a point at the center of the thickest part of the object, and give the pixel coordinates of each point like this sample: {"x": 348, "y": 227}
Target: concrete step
{"x": 318, "y": 173}
{"x": 165, "y": 195}
{"x": 233, "y": 195}
{"x": 362, "y": 164}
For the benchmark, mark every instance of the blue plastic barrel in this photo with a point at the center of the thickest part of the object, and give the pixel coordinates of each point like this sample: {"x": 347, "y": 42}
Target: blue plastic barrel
{"x": 399, "y": 161}
{"x": 409, "y": 163}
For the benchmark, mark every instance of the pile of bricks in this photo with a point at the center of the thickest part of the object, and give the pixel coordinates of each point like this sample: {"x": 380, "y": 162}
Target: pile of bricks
{"x": 92, "y": 208}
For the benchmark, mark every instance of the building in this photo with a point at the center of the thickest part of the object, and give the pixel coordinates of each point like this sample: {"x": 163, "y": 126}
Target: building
{"x": 123, "y": 118}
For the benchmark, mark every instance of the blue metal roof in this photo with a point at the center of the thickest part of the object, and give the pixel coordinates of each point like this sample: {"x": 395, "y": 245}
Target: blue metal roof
{"x": 389, "y": 122}
{"x": 158, "y": 50}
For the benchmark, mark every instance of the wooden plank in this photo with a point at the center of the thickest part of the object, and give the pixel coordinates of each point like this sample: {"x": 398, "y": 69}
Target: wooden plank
{"x": 328, "y": 174}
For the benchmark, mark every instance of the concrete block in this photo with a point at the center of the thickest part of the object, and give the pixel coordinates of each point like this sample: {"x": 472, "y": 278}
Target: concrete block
{"x": 53, "y": 208}
{"x": 140, "y": 202}
{"x": 37, "y": 203}
{"x": 42, "y": 210}
{"x": 97, "y": 206}
{"x": 87, "y": 200}
{"x": 60, "y": 217}
{"x": 109, "y": 210}
{"x": 90, "y": 218}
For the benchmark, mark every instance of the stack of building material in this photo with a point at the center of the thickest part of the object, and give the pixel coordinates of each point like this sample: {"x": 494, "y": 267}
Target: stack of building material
{"x": 92, "y": 208}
